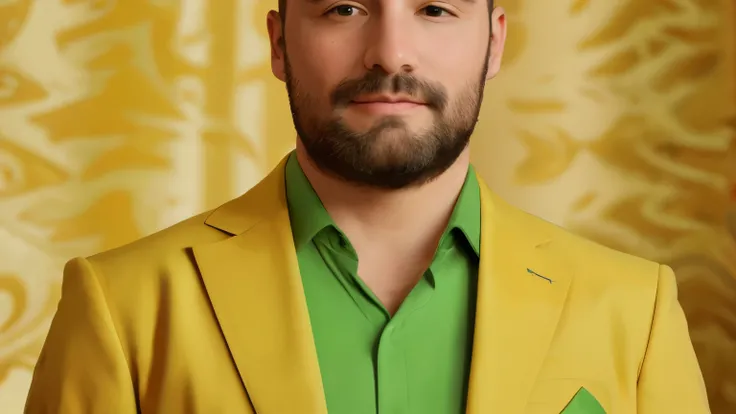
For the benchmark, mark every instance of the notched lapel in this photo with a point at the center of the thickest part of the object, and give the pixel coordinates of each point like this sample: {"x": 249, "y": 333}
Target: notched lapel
{"x": 522, "y": 287}
{"x": 255, "y": 288}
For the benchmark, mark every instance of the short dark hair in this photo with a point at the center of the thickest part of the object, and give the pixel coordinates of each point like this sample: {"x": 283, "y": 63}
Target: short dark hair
{"x": 282, "y": 9}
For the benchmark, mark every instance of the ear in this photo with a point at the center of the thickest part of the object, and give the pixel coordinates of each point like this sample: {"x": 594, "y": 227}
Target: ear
{"x": 498, "y": 41}
{"x": 278, "y": 47}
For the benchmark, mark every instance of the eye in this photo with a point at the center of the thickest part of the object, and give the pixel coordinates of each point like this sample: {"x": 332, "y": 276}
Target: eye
{"x": 344, "y": 10}
{"x": 436, "y": 11}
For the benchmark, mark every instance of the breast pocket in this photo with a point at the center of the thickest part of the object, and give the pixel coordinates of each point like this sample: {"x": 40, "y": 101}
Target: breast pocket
{"x": 552, "y": 396}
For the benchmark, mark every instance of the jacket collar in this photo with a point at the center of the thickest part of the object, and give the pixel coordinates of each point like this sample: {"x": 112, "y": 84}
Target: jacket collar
{"x": 255, "y": 288}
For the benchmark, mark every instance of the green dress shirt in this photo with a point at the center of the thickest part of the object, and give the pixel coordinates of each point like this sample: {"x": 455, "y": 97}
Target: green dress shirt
{"x": 416, "y": 362}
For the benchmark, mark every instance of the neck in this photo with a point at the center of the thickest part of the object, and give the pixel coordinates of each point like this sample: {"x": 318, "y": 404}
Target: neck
{"x": 409, "y": 220}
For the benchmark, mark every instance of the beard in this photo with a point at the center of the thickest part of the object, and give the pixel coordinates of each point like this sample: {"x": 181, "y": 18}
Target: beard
{"x": 388, "y": 155}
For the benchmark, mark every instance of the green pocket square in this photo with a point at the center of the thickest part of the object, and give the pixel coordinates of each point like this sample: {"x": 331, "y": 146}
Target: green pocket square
{"x": 583, "y": 403}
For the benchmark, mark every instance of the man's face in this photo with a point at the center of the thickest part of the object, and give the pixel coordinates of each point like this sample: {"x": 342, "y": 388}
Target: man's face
{"x": 384, "y": 93}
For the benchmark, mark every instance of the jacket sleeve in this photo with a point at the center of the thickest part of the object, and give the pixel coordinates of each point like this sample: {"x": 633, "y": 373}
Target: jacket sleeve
{"x": 670, "y": 380}
{"x": 82, "y": 367}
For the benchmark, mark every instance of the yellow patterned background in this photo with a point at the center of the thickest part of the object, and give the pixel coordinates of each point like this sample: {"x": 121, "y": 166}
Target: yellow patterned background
{"x": 614, "y": 118}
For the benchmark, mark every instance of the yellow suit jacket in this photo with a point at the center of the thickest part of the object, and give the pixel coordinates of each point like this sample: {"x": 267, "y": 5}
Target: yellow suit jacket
{"x": 209, "y": 316}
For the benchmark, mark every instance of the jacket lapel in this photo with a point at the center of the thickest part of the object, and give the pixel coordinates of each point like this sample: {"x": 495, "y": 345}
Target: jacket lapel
{"x": 253, "y": 282}
{"x": 254, "y": 285}
{"x": 522, "y": 286}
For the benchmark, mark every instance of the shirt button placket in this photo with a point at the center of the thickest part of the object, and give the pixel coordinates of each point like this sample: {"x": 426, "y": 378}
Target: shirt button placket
{"x": 391, "y": 373}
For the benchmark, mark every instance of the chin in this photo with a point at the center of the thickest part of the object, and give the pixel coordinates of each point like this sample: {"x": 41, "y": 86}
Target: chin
{"x": 362, "y": 124}
{"x": 396, "y": 150}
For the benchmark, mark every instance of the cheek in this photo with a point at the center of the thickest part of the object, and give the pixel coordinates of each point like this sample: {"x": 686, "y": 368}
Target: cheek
{"x": 320, "y": 64}
{"x": 444, "y": 52}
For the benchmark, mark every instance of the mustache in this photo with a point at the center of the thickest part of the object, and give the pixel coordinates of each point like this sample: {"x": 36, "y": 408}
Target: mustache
{"x": 377, "y": 82}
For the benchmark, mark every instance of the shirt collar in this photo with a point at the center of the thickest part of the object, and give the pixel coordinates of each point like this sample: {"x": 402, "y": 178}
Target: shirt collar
{"x": 465, "y": 217}
{"x": 309, "y": 216}
{"x": 307, "y": 213}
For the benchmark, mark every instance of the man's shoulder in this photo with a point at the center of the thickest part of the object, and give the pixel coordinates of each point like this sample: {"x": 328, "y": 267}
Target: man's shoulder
{"x": 160, "y": 246}
{"x": 603, "y": 281}
{"x": 263, "y": 201}
{"x": 592, "y": 262}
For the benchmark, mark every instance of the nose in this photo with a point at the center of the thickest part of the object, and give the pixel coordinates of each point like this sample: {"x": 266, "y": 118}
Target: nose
{"x": 390, "y": 46}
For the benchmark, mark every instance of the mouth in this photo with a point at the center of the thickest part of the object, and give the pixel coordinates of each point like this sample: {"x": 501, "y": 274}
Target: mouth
{"x": 386, "y": 104}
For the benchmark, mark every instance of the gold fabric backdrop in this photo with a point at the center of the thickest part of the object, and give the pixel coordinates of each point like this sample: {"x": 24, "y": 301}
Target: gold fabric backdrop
{"x": 615, "y": 119}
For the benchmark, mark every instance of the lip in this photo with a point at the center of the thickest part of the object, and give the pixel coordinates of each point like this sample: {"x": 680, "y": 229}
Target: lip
{"x": 398, "y": 99}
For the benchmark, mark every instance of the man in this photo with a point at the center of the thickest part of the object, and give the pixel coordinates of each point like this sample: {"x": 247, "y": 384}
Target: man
{"x": 371, "y": 271}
